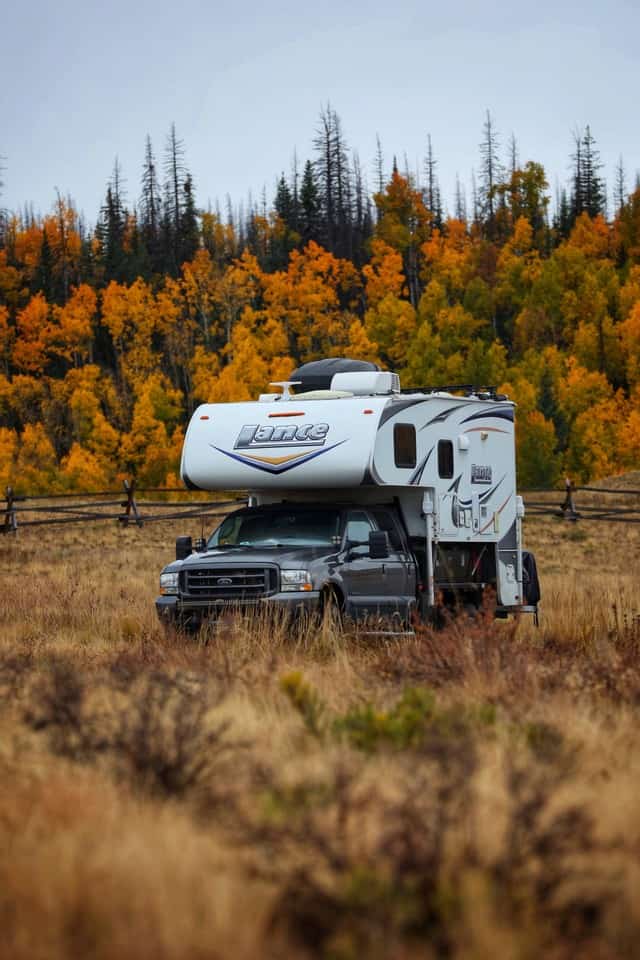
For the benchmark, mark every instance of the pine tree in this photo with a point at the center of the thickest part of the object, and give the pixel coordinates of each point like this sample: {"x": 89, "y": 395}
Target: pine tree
{"x": 284, "y": 239}
{"x": 620, "y": 190}
{"x": 475, "y": 199}
{"x": 188, "y": 232}
{"x": 432, "y": 189}
{"x": 344, "y": 192}
{"x": 175, "y": 174}
{"x": 379, "y": 166}
{"x": 110, "y": 229}
{"x": 362, "y": 225}
{"x": 43, "y": 275}
{"x": 295, "y": 194}
{"x": 593, "y": 185}
{"x": 325, "y": 165}
{"x": 491, "y": 174}
{"x": 150, "y": 210}
{"x": 460, "y": 201}
{"x": 588, "y": 193}
{"x": 283, "y": 203}
{"x": 514, "y": 162}
{"x": 310, "y": 205}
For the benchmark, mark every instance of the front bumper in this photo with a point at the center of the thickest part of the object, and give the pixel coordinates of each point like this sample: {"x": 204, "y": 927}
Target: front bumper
{"x": 176, "y": 610}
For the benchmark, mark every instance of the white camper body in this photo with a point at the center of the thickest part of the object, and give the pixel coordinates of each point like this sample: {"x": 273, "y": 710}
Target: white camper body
{"x": 447, "y": 461}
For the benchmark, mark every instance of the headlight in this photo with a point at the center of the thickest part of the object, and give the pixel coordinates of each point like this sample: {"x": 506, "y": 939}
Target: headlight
{"x": 295, "y": 580}
{"x": 168, "y": 583}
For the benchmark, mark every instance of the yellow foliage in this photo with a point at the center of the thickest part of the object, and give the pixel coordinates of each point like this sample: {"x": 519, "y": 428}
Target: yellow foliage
{"x": 8, "y": 451}
{"x": 145, "y": 450}
{"x": 249, "y": 371}
{"x": 384, "y": 274}
{"x": 538, "y": 464}
{"x": 629, "y": 332}
{"x": 594, "y": 450}
{"x": 82, "y": 470}
{"x": 591, "y": 236}
{"x": 597, "y": 347}
{"x": 447, "y": 258}
{"x": 360, "y": 345}
{"x": 205, "y": 368}
{"x": 130, "y": 315}
{"x": 389, "y": 325}
{"x": 71, "y": 334}
{"x": 403, "y": 221}
{"x": 629, "y": 440}
{"x": 104, "y": 442}
{"x": 630, "y": 291}
{"x": 30, "y": 348}
{"x": 6, "y": 336}
{"x": 581, "y": 389}
{"x": 36, "y": 466}
{"x": 308, "y": 300}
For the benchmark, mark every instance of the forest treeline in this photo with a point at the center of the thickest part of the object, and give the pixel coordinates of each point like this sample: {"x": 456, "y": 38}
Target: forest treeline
{"x": 111, "y": 335}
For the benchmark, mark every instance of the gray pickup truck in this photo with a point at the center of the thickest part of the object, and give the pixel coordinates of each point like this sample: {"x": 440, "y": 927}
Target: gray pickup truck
{"x": 296, "y": 558}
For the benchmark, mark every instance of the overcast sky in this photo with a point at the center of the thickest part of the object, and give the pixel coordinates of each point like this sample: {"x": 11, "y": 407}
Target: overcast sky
{"x": 82, "y": 82}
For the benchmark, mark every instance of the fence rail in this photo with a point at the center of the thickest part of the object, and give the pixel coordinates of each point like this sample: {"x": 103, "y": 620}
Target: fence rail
{"x": 18, "y": 510}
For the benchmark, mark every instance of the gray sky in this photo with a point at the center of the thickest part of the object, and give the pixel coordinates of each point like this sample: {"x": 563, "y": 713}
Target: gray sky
{"x": 82, "y": 82}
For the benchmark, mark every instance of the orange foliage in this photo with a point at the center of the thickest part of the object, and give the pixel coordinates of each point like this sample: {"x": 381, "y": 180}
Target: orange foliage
{"x": 32, "y": 328}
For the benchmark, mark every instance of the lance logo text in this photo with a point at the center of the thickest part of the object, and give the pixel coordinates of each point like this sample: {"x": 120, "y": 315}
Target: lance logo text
{"x": 254, "y": 436}
{"x": 480, "y": 473}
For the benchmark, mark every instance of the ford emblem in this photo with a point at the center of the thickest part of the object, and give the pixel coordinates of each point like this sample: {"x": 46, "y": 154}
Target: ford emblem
{"x": 224, "y": 581}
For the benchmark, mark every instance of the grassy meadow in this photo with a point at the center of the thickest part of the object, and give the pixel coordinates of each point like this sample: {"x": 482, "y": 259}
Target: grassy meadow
{"x": 470, "y": 793}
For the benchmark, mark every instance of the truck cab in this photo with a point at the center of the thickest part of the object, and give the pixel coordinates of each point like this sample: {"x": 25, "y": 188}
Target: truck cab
{"x": 295, "y": 558}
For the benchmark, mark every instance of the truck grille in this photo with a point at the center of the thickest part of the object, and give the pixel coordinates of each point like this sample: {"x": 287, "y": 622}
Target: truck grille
{"x": 230, "y": 583}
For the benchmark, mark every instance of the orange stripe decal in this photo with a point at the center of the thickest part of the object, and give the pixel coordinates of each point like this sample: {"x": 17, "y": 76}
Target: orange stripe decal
{"x": 275, "y": 460}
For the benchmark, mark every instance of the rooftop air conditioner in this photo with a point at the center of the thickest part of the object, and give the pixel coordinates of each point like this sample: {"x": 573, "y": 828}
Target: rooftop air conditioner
{"x": 367, "y": 382}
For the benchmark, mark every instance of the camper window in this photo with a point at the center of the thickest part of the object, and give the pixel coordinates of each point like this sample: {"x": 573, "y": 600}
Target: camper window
{"x": 445, "y": 459}
{"x": 404, "y": 445}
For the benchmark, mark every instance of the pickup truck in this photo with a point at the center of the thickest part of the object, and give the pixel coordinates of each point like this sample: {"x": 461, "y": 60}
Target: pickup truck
{"x": 297, "y": 558}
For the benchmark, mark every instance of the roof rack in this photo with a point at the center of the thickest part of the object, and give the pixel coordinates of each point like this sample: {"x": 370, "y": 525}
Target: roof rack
{"x": 467, "y": 390}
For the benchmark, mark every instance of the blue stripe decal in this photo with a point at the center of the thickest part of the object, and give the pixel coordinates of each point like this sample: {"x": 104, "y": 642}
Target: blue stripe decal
{"x": 276, "y": 468}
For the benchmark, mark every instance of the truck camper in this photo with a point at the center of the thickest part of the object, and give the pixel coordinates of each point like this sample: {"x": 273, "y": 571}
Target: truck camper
{"x": 378, "y": 501}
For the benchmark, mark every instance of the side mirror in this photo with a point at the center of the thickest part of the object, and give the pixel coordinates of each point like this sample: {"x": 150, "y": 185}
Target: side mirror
{"x": 378, "y": 544}
{"x": 184, "y": 547}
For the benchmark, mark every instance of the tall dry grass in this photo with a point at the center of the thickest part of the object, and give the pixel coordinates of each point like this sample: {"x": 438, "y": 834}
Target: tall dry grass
{"x": 467, "y": 793}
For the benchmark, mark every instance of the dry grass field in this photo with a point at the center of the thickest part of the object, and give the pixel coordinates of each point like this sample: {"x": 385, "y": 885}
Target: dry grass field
{"x": 466, "y": 794}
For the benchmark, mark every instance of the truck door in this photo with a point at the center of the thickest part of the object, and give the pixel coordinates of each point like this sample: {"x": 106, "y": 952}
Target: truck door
{"x": 399, "y": 568}
{"x": 363, "y": 577}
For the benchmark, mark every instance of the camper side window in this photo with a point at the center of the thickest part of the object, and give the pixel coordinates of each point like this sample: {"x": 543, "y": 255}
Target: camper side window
{"x": 445, "y": 459}
{"x": 404, "y": 445}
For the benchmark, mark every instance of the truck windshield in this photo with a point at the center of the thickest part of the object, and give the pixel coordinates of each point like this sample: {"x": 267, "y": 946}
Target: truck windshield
{"x": 295, "y": 527}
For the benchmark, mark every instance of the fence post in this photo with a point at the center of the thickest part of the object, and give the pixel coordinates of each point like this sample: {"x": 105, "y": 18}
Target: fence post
{"x": 10, "y": 524}
{"x": 568, "y": 508}
{"x": 130, "y": 505}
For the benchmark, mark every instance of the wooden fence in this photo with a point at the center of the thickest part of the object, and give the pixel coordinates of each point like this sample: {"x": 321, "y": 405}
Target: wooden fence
{"x": 585, "y": 503}
{"x": 595, "y": 503}
{"x": 17, "y": 511}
